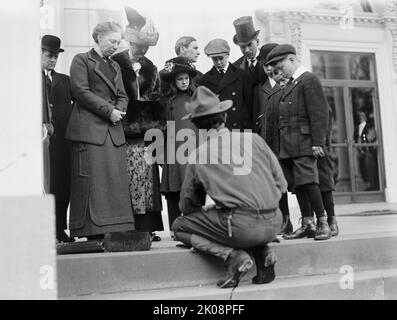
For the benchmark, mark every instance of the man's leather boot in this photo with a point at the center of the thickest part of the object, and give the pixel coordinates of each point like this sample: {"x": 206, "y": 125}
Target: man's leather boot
{"x": 333, "y": 225}
{"x": 287, "y": 227}
{"x": 265, "y": 259}
{"x": 237, "y": 265}
{"x": 323, "y": 231}
{"x": 307, "y": 229}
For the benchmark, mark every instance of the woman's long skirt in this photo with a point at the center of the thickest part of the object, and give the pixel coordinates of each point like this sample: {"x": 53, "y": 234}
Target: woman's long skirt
{"x": 100, "y": 198}
{"x": 144, "y": 183}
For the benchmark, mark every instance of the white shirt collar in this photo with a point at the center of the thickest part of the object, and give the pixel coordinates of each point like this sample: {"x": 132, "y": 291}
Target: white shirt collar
{"x": 298, "y": 72}
{"x": 272, "y": 82}
{"x": 225, "y": 68}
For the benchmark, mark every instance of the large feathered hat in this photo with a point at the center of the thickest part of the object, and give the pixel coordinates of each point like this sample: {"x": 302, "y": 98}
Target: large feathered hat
{"x": 140, "y": 30}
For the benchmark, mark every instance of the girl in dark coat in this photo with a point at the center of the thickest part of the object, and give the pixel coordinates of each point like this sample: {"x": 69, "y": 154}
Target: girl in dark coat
{"x": 178, "y": 73}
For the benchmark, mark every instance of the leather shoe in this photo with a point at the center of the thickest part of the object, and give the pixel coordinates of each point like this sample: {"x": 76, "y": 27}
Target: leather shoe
{"x": 287, "y": 227}
{"x": 237, "y": 265}
{"x": 265, "y": 261}
{"x": 155, "y": 237}
{"x": 333, "y": 225}
{"x": 323, "y": 232}
{"x": 307, "y": 229}
{"x": 63, "y": 237}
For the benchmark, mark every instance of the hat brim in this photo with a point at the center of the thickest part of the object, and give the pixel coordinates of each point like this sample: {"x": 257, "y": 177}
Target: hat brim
{"x": 244, "y": 43}
{"x": 273, "y": 60}
{"x": 222, "y": 107}
{"x": 141, "y": 38}
{"x": 168, "y": 76}
{"x": 52, "y": 50}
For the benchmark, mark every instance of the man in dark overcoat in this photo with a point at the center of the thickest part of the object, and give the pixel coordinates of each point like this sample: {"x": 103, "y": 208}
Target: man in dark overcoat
{"x": 303, "y": 122}
{"x": 230, "y": 83}
{"x": 57, "y": 101}
{"x": 246, "y": 38}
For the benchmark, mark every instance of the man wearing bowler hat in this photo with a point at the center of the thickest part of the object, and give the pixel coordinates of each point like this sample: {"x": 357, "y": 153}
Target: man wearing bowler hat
{"x": 246, "y": 38}
{"x": 244, "y": 216}
{"x": 230, "y": 83}
{"x": 303, "y": 122}
{"x": 57, "y": 107}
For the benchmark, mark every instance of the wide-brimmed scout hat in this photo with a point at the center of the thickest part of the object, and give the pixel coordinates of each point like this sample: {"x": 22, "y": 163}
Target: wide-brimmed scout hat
{"x": 245, "y": 31}
{"x": 265, "y": 50}
{"x": 140, "y": 30}
{"x": 51, "y": 43}
{"x": 279, "y": 53}
{"x": 175, "y": 66}
{"x": 216, "y": 47}
{"x": 204, "y": 102}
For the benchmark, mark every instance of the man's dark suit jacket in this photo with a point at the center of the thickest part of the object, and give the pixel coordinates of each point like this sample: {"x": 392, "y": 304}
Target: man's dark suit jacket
{"x": 60, "y": 100}
{"x": 235, "y": 85}
{"x": 303, "y": 120}
{"x": 257, "y": 74}
{"x": 266, "y": 114}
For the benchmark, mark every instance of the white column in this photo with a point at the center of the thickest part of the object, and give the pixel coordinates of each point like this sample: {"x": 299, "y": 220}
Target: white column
{"x": 27, "y": 236}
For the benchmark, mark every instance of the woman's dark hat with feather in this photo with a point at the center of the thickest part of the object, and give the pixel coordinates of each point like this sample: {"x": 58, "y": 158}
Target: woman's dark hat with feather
{"x": 140, "y": 30}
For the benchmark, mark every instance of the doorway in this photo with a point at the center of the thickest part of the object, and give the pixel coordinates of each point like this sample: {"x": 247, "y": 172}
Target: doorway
{"x": 349, "y": 83}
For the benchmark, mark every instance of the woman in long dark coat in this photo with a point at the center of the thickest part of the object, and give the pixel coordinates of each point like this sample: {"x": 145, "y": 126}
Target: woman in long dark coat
{"x": 100, "y": 200}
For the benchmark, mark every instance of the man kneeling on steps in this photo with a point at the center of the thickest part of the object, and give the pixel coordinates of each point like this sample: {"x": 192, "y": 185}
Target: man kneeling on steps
{"x": 244, "y": 216}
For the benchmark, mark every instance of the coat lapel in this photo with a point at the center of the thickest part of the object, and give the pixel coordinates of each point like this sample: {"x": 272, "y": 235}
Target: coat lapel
{"x": 55, "y": 79}
{"x": 100, "y": 73}
{"x": 228, "y": 78}
{"x": 291, "y": 86}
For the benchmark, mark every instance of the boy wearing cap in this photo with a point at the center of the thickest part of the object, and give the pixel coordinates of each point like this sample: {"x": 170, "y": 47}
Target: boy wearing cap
{"x": 245, "y": 215}
{"x": 303, "y": 121}
{"x": 246, "y": 38}
{"x": 265, "y": 116}
{"x": 230, "y": 83}
{"x": 57, "y": 107}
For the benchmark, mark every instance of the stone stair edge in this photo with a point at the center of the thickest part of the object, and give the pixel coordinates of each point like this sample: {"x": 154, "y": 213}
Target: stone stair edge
{"x": 174, "y": 249}
{"x": 198, "y": 291}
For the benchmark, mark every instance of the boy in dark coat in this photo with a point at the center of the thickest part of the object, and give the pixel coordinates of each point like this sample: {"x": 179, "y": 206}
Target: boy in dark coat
{"x": 303, "y": 122}
{"x": 230, "y": 83}
{"x": 265, "y": 117}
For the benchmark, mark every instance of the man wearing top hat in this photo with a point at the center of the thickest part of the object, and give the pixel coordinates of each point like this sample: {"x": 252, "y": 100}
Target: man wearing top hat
{"x": 246, "y": 38}
{"x": 245, "y": 215}
{"x": 303, "y": 122}
{"x": 230, "y": 83}
{"x": 57, "y": 107}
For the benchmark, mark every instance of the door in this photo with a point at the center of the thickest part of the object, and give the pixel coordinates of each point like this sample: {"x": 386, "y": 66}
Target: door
{"x": 350, "y": 87}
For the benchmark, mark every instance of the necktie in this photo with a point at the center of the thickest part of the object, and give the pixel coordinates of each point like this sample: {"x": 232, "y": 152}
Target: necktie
{"x": 222, "y": 72}
{"x": 251, "y": 65}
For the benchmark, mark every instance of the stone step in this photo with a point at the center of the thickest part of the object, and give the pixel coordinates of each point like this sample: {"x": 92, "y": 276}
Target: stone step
{"x": 380, "y": 284}
{"x": 174, "y": 267}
